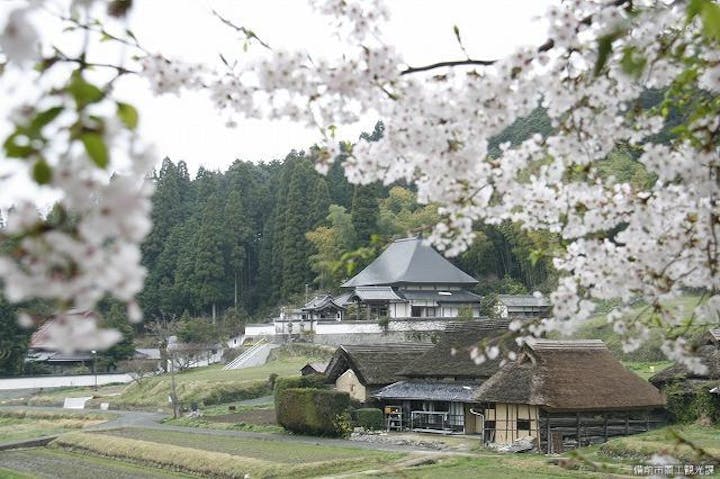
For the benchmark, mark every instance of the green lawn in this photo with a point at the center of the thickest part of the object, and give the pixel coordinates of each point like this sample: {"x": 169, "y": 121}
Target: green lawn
{"x": 597, "y": 327}
{"x": 646, "y": 369}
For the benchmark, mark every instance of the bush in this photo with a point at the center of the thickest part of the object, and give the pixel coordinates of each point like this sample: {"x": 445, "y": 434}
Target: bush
{"x": 312, "y": 411}
{"x": 370, "y": 419}
{"x": 229, "y": 392}
{"x": 313, "y": 381}
{"x": 687, "y": 405}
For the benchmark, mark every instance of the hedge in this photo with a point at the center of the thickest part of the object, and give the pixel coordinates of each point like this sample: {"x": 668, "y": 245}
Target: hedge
{"x": 371, "y": 419}
{"x": 318, "y": 412}
{"x": 313, "y": 381}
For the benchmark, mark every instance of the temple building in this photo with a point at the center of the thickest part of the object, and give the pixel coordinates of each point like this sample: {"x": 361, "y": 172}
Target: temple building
{"x": 408, "y": 280}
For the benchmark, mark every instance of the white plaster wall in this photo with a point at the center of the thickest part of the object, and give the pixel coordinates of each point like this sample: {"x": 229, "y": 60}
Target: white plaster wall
{"x": 348, "y": 382}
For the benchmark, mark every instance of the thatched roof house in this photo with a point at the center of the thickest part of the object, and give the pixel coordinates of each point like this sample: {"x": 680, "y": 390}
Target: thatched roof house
{"x": 565, "y": 394}
{"x": 708, "y": 351}
{"x": 361, "y": 368}
{"x": 569, "y": 376}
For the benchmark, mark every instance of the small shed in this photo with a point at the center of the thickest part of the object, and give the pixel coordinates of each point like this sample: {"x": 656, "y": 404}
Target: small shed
{"x": 523, "y": 306}
{"x": 566, "y": 394}
{"x": 360, "y": 369}
{"x": 317, "y": 367}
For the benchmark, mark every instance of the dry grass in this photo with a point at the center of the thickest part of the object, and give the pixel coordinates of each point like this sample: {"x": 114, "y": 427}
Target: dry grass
{"x": 200, "y": 462}
{"x": 16, "y": 425}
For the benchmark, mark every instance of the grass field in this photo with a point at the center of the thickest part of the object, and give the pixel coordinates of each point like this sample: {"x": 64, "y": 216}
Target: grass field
{"x": 290, "y": 452}
{"x": 55, "y": 463}
{"x": 16, "y": 425}
{"x": 209, "y": 456}
{"x": 597, "y": 327}
{"x": 208, "y": 385}
{"x": 488, "y": 467}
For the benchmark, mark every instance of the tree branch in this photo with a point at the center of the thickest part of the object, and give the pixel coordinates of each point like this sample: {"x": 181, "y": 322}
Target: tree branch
{"x": 546, "y": 46}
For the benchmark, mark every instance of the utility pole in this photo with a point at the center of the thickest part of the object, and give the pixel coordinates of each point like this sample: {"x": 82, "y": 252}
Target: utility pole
{"x": 94, "y": 356}
{"x": 173, "y": 391}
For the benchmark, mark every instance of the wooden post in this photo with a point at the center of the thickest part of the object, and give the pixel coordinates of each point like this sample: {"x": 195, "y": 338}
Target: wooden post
{"x": 549, "y": 439}
{"x": 605, "y": 426}
{"x": 647, "y": 421}
{"x": 577, "y": 428}
{"x": 627, "y": 423}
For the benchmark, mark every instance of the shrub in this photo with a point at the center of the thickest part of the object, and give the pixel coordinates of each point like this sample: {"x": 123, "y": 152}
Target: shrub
{"x": 370, "y": 419}
{"x": 687, "y": 405}
{"x": 314, "y": 381}
{"x": 229, "y": 392}
{"x": 311, "y": 411}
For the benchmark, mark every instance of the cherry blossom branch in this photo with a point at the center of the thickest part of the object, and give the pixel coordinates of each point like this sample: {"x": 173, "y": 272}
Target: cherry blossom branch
{"x": 249, "y": 34}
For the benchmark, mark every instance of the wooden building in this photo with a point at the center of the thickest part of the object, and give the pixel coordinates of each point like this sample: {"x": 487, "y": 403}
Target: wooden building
{"x": 317, "y": 367}
{"x": 361, "y": 369}
{"x": 566, "y": 394}
{"x": 437, "y": 390}
{"x": 708, "y": 350}
{"x": 523, "y": 306}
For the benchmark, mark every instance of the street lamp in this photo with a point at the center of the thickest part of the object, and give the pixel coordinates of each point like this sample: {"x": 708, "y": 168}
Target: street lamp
{"x": 94, "y": 357}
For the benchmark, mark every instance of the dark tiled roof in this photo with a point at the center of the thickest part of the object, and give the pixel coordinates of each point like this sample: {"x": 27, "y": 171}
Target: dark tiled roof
{"x": 457, "y": 296}
{"x": 429, "y": 391}
{"x": 409, "y": 261}
{"x": 451, "y": 356}
{"x": 569, "y": 375}
{"x": 375, "y": 293}
{"x": 321, "y": 302}
{"x": 375, "y": 364}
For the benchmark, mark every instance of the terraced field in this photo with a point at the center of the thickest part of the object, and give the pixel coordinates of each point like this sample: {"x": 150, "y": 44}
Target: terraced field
{"x": 289, "y": 452}
{"x": 45, "y": 463}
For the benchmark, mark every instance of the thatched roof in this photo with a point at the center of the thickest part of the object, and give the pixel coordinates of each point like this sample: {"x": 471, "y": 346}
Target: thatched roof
{"x": 710, "y": 355}
{"x": 569, "y": 375}
{"x": 374, "y": 364}
{"x": 409, "y": 260}
{"x": 450, "y": 358}
{"x": 428, "y": 391}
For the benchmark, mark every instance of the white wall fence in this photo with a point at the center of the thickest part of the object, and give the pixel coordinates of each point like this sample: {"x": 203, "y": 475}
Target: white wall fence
{"x": 37, "y": 382}
{"x": 320, "y": 328}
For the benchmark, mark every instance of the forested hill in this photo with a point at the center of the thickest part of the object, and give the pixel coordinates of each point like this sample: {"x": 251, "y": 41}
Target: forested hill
{"x": 259, "y": 233}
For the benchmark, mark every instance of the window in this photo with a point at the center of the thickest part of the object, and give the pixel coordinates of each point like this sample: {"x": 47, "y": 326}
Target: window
{"x": 415, "y": 311}
{"x": 523, "y": 424}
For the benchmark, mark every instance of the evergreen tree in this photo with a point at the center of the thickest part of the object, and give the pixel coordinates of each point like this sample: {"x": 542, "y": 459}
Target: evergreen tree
{"x": 295, "y": 271}
{"x": 116, "y": 318}
{"x": 365, "y": 212}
